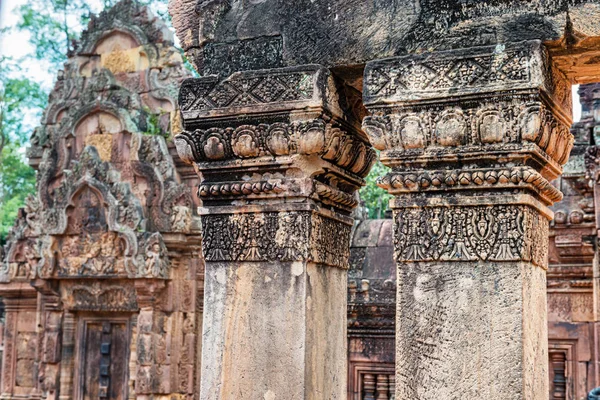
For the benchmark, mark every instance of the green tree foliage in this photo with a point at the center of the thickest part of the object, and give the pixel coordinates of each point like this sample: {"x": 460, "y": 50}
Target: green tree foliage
{"x": 375, "y": 199}
{"x": 21, "y": 100}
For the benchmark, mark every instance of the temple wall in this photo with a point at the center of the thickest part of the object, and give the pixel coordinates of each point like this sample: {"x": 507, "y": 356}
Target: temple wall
{"x": 103, "y": 280}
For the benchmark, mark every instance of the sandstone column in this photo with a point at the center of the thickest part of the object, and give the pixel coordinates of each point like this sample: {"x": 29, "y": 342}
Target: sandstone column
{"x": 280, "y": 161}
{"x": 473, "y": 138}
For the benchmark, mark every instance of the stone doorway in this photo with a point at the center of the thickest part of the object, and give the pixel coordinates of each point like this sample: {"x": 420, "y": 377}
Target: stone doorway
{"x": 103, "y": 357}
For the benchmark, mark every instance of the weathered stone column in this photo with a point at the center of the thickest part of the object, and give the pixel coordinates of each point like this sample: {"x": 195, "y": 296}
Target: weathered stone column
{"x": 280, "y": 161}
{"x": 473, "y": 138}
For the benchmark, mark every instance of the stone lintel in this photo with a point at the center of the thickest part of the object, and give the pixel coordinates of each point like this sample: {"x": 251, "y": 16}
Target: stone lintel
{"x": 15, "y": 291}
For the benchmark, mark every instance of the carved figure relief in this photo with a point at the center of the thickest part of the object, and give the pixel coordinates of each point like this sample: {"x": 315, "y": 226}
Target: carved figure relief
{"x": 94, "y": 239}
{"x": 493, "y": 233}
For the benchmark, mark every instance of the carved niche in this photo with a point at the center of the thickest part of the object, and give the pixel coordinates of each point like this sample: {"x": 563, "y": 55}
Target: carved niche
{"x": 112, "y": 229}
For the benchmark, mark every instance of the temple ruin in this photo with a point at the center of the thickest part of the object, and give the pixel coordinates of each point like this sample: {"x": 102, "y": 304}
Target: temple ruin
{"x": 197, "y": 238}
{"x": 103, "y": 275}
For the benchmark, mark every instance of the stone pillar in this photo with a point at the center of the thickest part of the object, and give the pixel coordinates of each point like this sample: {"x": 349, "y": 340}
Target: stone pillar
{"x": 280, "y": 161}
{"x": 473, "y": 138}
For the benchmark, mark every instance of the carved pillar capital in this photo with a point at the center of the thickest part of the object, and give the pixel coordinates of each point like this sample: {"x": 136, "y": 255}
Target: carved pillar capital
{"x": 259, "y": 136}
{"x": 486, "y": 119}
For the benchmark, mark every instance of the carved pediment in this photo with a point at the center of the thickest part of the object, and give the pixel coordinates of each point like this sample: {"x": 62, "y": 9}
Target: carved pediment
{"x": 108, "y": 191}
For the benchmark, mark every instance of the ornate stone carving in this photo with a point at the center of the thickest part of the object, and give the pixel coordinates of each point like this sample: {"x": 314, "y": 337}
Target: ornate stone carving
{"x": 471, "y": 179}
{"x": 127, "y": 16}
{"x": 419, "y": 128}
{"x": 496, "y": 67}
{"x": 274, "y": 88}
{"x": 486, "y": 233}
{"x": 510, "y": 66}
{"x": 283, "y": 236}
{"x": 279, "y": 139}
{"x": 112, "y": 219}
{"x": 99, "y": 297}
{"x": 156, "y": 262}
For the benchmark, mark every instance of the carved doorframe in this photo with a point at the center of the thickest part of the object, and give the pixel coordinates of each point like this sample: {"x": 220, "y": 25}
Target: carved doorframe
{"x": 569, "y": 348}
{"x": 82, "y": 319}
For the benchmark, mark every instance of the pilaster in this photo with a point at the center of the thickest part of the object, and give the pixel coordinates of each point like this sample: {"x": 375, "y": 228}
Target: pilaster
{"x": 19, "y": 364}
{"x": 473, "y": 137}
{"x": 280, "y": 161}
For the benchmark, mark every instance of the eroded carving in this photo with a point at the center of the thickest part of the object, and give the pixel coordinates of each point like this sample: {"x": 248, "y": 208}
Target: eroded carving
{"x": 492, "y": 233}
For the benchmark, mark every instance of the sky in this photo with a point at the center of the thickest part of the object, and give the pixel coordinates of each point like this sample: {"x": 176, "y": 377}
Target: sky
{"x": 16, "y": 45}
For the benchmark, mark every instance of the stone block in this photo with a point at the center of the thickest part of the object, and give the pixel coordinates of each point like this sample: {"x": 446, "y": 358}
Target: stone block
{"x": 26, "y": 343}
{"x": 130, "y": 60}
{"x": 103, "y": 144}
{"x": 26, "y": 373}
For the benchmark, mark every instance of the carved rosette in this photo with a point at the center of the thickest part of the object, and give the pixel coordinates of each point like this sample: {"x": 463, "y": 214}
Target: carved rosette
{"x": 474, "y": 136}
{"x": 277, "y": 142}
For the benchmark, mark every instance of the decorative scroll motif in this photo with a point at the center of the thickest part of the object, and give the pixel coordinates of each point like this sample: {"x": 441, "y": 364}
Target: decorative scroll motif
{"x": 256, "y": 237}
{"x": 248, "y": 89}
{"x": 279, "y": 139}
{"x": 100, "y": 297}
{"x": 329, "y": 238}
{"x": 458, "y": 125}
{"x": 275, "y": 236}
{"x": 486, "y": 233}
{"x": 393, "y": 77}
{"x": 164, "y": 83}
{"x": 333, "y": 196}
{"x": 171, "y": 202}
{"x": 468, "y": 179}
